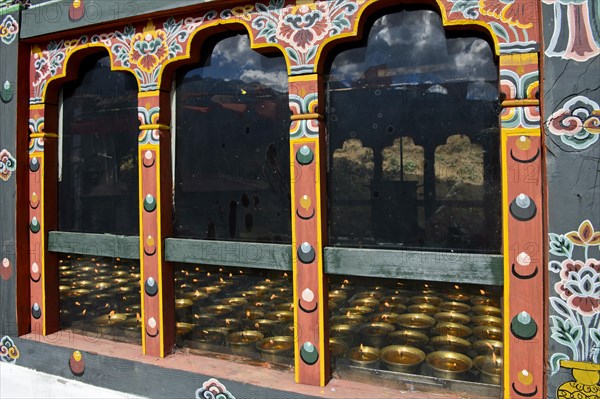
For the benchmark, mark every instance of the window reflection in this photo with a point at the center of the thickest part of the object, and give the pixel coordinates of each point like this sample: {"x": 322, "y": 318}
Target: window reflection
{"x": 414, "y": 139}
{"x": 98, "y": 178}
{"x": 232, "y": 155}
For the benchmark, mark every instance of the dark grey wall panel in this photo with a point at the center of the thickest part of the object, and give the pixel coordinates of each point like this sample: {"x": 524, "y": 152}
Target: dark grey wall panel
{"x": 94, "y": 244}
{"x": 133, "y": 377}
{"x": 571, "y": 88}
{"x": 53, "y": 16}
{"x": 8, "y": 128}
{"x": 229, "y": 253}
{"x": 412, "y": 265}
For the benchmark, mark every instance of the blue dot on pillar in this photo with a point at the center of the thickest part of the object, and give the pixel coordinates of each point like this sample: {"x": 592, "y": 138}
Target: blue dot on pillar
{"x": 309, "y": 353}
{"x": 304, "y": 155}
{"x": 149, "y": 203}
{"x": 523, "y": 326}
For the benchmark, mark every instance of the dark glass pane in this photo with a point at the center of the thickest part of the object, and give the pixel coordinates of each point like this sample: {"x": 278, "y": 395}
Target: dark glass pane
{"x": 410, "y": 327}
{"x": 232, "y": 146}
{"x": 247, "y": 313}
{"x": 414, "y": 139}
{"x": 100, "y": 297}
{"x": 98, "y": 180}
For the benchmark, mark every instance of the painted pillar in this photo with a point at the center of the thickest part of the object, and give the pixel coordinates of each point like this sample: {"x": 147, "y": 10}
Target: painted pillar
{"x": 308, "y": 204}
{"x": 43, "y": 273}
{"x": 523, "y": 220}
{"x": 158, "y": 301}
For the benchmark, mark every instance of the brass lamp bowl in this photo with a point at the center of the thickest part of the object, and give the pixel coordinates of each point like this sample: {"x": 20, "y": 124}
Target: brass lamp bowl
{"x": 486, "y": 310}
{"x": 408, "y": 337}
{"x": 424, "y": 308}
{"x": 453, "y": 317}
{"x": 182, "y": 303}
{"x": 416, "y": 320}
{"x": 490, "y": 368}
{"x": 368, "y": 294}
{"x": 449, "y": 365}
{"x": 385, "y": 317}
{"x": 243, "y": 343}
{"x": 375, "y": 334}
{"x": 281, "y": 316}
{"x": 338, "y": 295}
{"x": 352, "y": 319}
{"x": 403, "y": 359}
{"x": 450, "y": 343}
{"x": 488, "y": 346}
{"x": 278, "y": 349}
{"x": 365, "y": 302}
{"x": 488, "y": 332}
{"x": 487, "y": 321}
{"x": 455, "y": 329}
{"x": 217, "y": 310}
{"x": 429, "y": 299}
{"x": 455, "y": 306}
{"x": 234, "y": 302}
{"x": 344, "y": 333}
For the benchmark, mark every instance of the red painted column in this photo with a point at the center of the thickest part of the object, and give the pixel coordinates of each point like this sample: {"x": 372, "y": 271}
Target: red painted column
{"x": 155, "y": 199}
{"x": 43, "y": 270}
{"x": 307, "y": 158}
{"x": 524, "y": 319}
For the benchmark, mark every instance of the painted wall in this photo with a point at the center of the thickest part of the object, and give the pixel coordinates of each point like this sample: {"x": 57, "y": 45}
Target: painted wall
{"x": 572, "y": 132}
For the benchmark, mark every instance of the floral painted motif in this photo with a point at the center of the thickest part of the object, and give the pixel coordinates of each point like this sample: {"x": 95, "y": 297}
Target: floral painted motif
{"x": 148, "y": 48}
{"x": 8, "y": 350}
{"x": 576, "y": 308}
{"x": 577, "y": 122}
{"x": 213, "y": 389}
{"x": 509, "y": 20}
{"x": 7, "y": 165}
{"x": 49, "y": 63}
{"x": 9, "y": 28}
{"x": 583, "y": 41}
{"x": 303, "y": 27}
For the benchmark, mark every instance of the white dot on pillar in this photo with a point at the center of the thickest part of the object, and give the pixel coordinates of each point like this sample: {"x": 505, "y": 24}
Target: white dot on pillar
{"x": 523, "y": 201}
{"x": 305, "y": 247}
{"x": 308, "y": 295}
{"x": 523, "y": 139}
{"x": 152, "y": 322}
{"x": 5, "y": 262}
{"x": 150, "y": 281}
{"x": 36, "y": 306}
{"x": 148, "y": 155}
{"x": 523, "y": 259}
{"x": 35, "y": 268}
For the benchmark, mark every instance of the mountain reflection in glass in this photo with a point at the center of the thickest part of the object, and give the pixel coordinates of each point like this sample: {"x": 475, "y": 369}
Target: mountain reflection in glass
{"x": 232, "y": 146}
{"x": 98, "y": 177}
{"x": 414, "y": 139}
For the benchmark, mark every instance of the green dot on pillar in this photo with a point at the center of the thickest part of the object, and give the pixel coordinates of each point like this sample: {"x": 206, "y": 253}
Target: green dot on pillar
{"x": 523, "y": 326}
{"x": 304, "y": 156}
{"x": 149, "y": 203}
{"x": 309, "y": 353}
{"x": 34, "y": 225}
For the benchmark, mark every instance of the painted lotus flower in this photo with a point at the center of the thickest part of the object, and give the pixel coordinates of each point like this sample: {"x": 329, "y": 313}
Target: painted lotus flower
{"x": 585, "y": 235}
{"x": 580, "y": 285}
{"x": 304, "y": 26}
{"x": 149, "y": 48}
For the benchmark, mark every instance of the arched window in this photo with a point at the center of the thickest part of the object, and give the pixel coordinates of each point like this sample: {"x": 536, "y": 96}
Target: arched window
{"x": 98, "y": 175}
{"x": 232, "y": 146}
{"x": 399, "y": 178}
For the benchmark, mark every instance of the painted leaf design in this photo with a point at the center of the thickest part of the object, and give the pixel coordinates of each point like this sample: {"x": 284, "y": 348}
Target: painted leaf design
{"x": 555, "y": 361}
{"x": 554, "y": 266}
{"x": 262, "y": 8}
{"x": 292, "y": 54}
{"x": 560, "y": 307}
{"x": 560, "y": 246}
{"x": 595, "y": 335}
{"x": 500, "y": 31}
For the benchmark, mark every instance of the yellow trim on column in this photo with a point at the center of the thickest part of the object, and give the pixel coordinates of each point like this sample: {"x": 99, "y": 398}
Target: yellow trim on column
{"x": 299, "y": 117}
{"x": 142, "y": 241}
{"x": 158, "y": 240}
{"x": 520, "y": 103}
{"x": 294, "y": 259}
{"x": 520, "y": 131}
{"x": 42, "y": 240}
{"x": 155, "y": 126}
{"x": 324, "y": 305}
{"x": 506, "y": 254}
{"x": 43, "y": 136}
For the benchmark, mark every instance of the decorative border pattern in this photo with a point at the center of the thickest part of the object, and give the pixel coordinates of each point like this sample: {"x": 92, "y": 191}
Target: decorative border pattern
{"x": 7, "y": 165}
{"x": 9, "y": 29}
{"x": 9, "y": 353}
{"x": 577, "y": 122}
{"x": 213, "y": 389}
